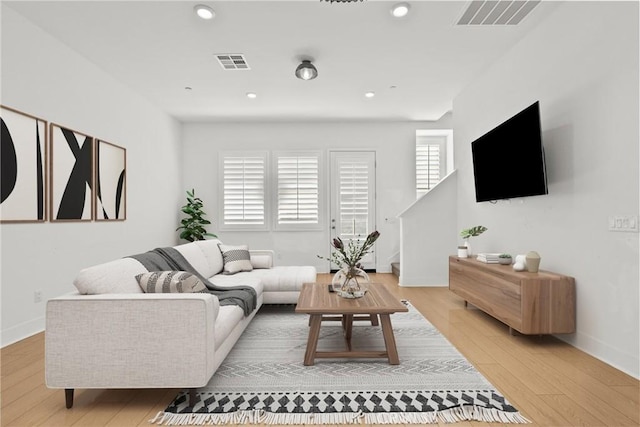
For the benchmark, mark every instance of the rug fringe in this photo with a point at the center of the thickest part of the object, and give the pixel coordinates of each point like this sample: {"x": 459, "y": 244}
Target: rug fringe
{"x": 258, "y": 416}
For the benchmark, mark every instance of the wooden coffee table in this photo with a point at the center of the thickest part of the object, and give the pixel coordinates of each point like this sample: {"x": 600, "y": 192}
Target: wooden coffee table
{"x": 316, "y": 300}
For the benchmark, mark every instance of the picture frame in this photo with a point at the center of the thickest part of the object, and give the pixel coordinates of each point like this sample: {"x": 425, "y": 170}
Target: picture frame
{"x": 23, "y": 167}
{"x": 71, "y": 181}
{"x": 110, "y": 195}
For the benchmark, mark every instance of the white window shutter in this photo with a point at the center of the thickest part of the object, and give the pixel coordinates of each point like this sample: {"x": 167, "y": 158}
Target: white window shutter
{"x": 244, "y": 182}
{"x": 354, "y": 198}
{"x": 430, "y": 151}
{"x": 298, "y": 191}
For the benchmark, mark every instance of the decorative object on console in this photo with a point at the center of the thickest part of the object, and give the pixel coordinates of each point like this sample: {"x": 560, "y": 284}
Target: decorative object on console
{"x": 348, "y": 259}
{"x": 193, "y": 225}
{"x": 235, "y": 258}
{"x": 463, "y": 252}
{"x": 71, "y": 175}
{"x": 24, "y": 152}
{"x": 504, "y": 259}
{"x": 532, "y": 261}
{"x": 488, "y": 258}
{"x": 466, "y": 233}
{"x": 170, "y": 282}
{"x": 521, "y": 263}
{"x": 110, "y": 192}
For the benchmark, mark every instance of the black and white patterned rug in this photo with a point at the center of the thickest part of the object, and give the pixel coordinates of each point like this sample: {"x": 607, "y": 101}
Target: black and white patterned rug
{"x": 263, "y": 379}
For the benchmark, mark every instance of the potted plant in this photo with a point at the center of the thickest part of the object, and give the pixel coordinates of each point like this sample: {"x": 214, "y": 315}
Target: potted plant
{"x": 504, "y": 259}
{"x": 467, "y": 233}
{"x": 192, "y": 225}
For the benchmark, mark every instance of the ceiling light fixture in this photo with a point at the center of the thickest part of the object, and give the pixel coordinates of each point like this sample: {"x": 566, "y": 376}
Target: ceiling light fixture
{"x": 204, "y": 11}
{"x": 370, "y": 94}
{"x": 306, "y": 70}
{"x": 341, "y": 1}
{"x": 251, "y": 95}
{"x": 400, "y": 9}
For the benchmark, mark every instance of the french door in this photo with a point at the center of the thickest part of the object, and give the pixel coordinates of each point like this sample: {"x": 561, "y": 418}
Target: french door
{"x": 352, "y": 198}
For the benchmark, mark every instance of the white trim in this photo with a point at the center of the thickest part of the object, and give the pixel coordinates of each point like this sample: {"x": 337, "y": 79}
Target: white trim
{"x": 21, "y": 331}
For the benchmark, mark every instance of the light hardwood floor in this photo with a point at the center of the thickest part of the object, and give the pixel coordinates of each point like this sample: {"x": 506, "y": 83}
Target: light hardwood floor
{"x": 550, "y": 382}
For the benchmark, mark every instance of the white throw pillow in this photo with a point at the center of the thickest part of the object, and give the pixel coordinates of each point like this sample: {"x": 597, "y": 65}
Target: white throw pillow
{"x": 236, "y": 258}
{"x": 170, "y": 282}
{"x": 113, "y": 277}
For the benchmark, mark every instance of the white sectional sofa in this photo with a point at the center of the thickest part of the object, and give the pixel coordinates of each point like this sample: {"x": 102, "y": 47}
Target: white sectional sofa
{"x": 109, "y": 334}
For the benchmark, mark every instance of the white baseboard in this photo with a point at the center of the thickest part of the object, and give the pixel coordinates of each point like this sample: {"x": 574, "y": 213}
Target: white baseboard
{"x": 422, "y": 282}
{"x": 19, "y": 332}
{"x": 625, "y": 362}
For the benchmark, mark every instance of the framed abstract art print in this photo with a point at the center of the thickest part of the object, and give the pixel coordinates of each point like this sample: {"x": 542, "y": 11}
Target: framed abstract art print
{"x": 71, "y": 176}
{"x": 23, "y": 156}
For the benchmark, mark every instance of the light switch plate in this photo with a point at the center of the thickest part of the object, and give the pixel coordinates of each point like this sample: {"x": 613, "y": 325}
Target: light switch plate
{"x": 623, "y": 223}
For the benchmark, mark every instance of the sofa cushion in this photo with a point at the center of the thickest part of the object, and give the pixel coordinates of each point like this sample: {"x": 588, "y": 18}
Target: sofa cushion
{"x": 261, "y": 258}
{"x": 239, "y": 279}
{"x": 285, "y": 278}
{"x": 236, "y": 258}
{"x": 228, "y": 318}
{"x": 213, "y": 255}
{"x": 113, "y": 277}
{"x": 194, "y": 255}
{"x": 170, "y": 282}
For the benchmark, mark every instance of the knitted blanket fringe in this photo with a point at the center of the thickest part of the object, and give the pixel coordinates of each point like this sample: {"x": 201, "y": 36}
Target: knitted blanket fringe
{"x": 258, "y": 416}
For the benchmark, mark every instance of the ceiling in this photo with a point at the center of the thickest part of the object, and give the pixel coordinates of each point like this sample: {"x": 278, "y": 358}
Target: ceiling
{"x": 416, "y": 65}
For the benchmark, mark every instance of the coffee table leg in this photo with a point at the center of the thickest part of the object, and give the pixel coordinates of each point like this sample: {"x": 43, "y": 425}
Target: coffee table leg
{"x": 389, "y": 339}
{"x": 348, "y": 329}
{"x": 312, "y": 342}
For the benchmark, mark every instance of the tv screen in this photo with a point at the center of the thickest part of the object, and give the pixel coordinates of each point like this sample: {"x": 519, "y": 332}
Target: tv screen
{"x": 508, "y": 161}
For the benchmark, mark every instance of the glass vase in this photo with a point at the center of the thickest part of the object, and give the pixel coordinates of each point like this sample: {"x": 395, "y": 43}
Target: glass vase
{"x": 350, "y": 282}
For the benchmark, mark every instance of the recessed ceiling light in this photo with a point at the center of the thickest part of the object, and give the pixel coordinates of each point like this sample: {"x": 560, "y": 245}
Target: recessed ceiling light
{"x": 400, "y": 9}
{"x": 370, "y": 94}
{"x": 251, "y": 95}
{"x": 204, "y": 12}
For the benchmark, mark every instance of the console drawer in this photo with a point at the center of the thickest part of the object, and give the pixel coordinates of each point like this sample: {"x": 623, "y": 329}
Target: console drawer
{"x": 494, "y": 295}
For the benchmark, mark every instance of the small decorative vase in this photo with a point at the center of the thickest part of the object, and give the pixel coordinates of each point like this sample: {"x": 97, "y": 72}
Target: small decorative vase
{"x": 533, "y": 261}
{"x": 468, "y": 246}
{"x": 350, "y": 282}
{"x": 521, "y": 263}
{"x": 463, "y": 252}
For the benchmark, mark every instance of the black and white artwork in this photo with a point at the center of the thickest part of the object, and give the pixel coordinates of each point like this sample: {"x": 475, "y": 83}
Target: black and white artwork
{"x": 71, "y": 181}
{"x": 110, "y": 194}
{"x": 23, "y": 161}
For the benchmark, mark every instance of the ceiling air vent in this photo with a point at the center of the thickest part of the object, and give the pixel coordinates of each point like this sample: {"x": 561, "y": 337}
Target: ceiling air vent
{"x": 233, "y": 61}
{"x": 497, "y": 12}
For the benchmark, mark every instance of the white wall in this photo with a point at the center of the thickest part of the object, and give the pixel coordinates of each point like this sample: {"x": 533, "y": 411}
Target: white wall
{"x": 582, "y": 65}
{"x": 394, "y": 144}
{"x": 42, "y": 77}
{"x": 429, "y": 236}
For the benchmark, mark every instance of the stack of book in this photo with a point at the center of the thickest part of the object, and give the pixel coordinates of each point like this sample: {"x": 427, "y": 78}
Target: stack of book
{"x": 488, "y": 258}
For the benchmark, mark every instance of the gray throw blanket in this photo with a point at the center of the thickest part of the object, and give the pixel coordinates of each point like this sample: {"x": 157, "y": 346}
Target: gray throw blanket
{"x": 169, "y": 259}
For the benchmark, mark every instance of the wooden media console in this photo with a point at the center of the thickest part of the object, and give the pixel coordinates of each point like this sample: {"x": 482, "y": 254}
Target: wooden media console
{"x": 531, "y": 303}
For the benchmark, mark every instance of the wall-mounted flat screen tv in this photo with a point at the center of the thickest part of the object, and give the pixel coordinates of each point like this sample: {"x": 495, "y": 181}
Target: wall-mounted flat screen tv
{"x": 508, "y": 161}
